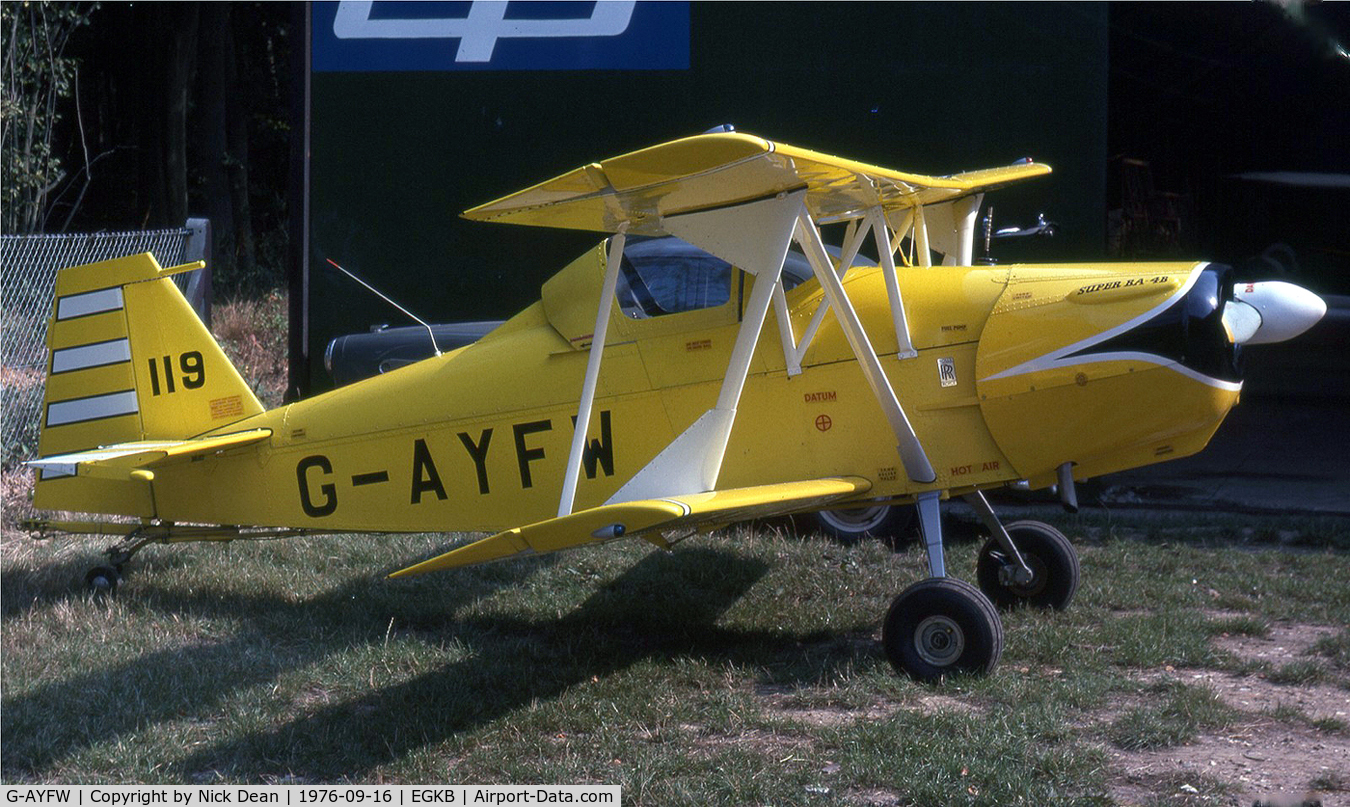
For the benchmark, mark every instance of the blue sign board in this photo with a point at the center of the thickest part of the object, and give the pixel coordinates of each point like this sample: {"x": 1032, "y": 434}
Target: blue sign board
{"x": 388, "y": 35}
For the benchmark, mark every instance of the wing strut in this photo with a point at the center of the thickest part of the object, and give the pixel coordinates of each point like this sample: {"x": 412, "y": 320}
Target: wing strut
{"x": 583, "y": 422}
{"x": 876, "y": 220}
{"x": 911, "y": 451}
{"x": 875, "y": 225}
{"x": 920, "y": 237}
{"x": 793, "y": 351}
{"x": 754, "y": 236}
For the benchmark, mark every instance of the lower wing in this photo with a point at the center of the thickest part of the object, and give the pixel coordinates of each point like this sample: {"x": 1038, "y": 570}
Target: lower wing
{"x": 648, "y": 518}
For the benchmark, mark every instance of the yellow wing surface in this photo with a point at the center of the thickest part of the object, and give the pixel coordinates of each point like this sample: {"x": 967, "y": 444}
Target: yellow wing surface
{"x": 121, "y": 460}
{"x": 648, "y": 518}
{"x": 716, "y": 170}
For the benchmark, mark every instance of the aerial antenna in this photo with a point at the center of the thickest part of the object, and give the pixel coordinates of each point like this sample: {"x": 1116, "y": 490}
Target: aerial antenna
{"x": 384, "y": 297}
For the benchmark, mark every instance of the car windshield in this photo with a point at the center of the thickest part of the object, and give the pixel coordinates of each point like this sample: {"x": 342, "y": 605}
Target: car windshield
{"x": 668, "y": 275}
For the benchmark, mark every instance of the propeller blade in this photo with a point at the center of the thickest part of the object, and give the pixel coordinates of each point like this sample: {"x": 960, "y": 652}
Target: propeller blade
{"x": 1241, "y": 321}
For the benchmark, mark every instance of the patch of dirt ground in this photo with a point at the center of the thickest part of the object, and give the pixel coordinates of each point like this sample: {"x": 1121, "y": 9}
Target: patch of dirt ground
{"x": 1264, "y": 760}
{"x": 1272, "y": 754}
{"x": 781, "y": 701}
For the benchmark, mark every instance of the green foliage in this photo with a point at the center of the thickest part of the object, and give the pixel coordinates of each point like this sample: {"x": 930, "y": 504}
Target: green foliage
{"x": 1240, "y": 625}
{"x": 1298, "y": 673}
{"x": 40, "y": 80}
{"x": 19, "y": 440}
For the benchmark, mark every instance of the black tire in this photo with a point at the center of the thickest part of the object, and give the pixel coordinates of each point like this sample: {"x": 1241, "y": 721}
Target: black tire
{"x": 849, "y": 525}
{"x": 942, "y": 626}
{"x": 1053, "y": 562}
{"x": 102, "y": 579}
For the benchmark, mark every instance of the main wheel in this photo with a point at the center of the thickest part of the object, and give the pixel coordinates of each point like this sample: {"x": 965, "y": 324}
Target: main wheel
{"x": 1053, "y": 562}
{"x": 102, "y": 579}
{"x": 939, "y": 626}
{"x": 852, "y": 524}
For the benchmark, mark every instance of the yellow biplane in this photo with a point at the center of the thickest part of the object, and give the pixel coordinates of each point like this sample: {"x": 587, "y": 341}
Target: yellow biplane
{"x": 642, "y": 397}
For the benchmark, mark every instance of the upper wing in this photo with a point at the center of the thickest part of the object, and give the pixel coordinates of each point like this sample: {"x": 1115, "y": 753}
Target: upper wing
{"x": 716, "y": 170}
{"x": 647, "y": 518}
{"x": 120, "y": 460}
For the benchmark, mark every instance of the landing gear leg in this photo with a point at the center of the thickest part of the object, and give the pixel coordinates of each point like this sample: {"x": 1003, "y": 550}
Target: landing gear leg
{"x": 940, "y": 625}
{"x": 1025, "y": 563}
{"x": 930, "y": 524}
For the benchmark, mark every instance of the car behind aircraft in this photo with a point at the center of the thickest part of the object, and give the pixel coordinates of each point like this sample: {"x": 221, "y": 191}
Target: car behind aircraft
{"x": 635, "y": 404}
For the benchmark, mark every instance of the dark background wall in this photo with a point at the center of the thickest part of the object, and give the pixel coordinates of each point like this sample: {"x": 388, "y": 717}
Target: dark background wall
{"x": 928, "y": 88}
{"x": 1211, "y": 94}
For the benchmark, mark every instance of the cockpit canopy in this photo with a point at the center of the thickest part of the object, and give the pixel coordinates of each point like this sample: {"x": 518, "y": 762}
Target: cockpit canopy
{"x": 667, "y": 275}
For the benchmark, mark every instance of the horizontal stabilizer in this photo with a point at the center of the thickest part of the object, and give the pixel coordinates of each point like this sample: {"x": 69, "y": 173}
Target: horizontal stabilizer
{"x": 647, "y": 518}
{"x": 717, "y": 170}
{"x": 120, "y": 460}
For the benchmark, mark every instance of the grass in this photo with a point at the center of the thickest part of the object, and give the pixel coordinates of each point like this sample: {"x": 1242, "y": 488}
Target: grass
{"x": 1336, "y": 649}
{"x": 1298, "y": 673}
{"x": 253, "y": 334}
{"x": 742, "y": 668}
{"x": 1333, "y": 781}
{"x": 1175, "y": 715}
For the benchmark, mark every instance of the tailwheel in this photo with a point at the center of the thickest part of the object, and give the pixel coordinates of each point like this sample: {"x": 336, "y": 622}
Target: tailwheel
{"x": 102, "y": 579}
{"x": 1048, "y": 554}
{"x": 939, "y": 626}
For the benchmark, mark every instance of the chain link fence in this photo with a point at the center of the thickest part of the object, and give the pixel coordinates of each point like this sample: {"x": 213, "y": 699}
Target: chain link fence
{"x": 28, "y": 266}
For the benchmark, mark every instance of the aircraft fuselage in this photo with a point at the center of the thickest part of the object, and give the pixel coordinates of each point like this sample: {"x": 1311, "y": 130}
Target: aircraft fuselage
{"x": 478, "y": 439}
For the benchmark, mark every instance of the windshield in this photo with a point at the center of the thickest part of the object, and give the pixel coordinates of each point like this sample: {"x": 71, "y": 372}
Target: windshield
{"x": 668, "y": 275}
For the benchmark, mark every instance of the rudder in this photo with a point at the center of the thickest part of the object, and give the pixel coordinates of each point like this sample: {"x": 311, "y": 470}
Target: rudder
{"x": 130, "y": 360}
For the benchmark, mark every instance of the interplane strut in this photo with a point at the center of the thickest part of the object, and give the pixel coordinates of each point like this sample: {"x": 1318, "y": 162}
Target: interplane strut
{"x": 755, "y": 237}
{"x": 613, "y": 260}
{"x": 911, "y": 451}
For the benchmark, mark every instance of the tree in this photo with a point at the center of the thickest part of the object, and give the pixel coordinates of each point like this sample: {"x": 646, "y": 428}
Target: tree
{"x": 40, "y": 81}
{"x": 123, "y": 116}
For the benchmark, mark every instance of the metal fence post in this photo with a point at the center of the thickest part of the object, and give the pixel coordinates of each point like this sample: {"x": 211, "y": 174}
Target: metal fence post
{"x": 198, "y": 248}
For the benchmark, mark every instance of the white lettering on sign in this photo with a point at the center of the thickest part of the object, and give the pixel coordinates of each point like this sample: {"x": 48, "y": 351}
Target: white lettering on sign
{"x": 479, "y": 31}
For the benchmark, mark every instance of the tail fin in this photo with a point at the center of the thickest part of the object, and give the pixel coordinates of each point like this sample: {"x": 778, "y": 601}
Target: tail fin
{"x": 130, "y": 360}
